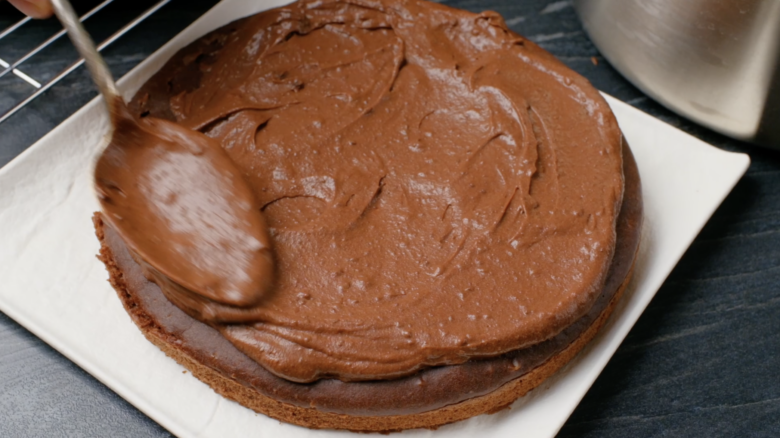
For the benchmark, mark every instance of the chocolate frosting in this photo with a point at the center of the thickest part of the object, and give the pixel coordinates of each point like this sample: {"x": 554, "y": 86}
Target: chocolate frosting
{"x": 437, "y": 188}
{"x": 426, "y": 390}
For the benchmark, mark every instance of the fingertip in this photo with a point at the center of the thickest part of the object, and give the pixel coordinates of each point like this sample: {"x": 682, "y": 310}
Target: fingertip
{"x": 33, "y": 8}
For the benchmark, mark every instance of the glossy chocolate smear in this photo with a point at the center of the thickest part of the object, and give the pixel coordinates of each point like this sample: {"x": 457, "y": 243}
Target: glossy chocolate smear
{"x": 187, "y": 214}
{"x": 437, "y": 188}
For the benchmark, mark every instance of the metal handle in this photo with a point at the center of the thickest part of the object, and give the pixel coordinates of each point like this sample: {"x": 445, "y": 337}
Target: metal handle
{"x": 86, "y": 47}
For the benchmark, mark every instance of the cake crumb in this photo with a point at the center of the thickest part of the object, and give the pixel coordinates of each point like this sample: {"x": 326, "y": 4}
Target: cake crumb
{"x": 594, "y": 60}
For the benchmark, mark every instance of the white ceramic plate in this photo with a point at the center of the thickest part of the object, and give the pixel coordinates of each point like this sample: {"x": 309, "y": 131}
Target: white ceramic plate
{"x": 55, "y": 287}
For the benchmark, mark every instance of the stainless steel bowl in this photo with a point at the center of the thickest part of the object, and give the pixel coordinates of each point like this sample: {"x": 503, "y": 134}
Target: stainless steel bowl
{"x": 715, "y": 61}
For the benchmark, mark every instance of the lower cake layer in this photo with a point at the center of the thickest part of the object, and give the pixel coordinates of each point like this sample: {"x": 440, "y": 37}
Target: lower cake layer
{"x": 427, "y": 399}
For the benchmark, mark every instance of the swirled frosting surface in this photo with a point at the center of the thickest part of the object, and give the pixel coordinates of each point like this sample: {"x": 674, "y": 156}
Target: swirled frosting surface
{"x": 437, "y": 188}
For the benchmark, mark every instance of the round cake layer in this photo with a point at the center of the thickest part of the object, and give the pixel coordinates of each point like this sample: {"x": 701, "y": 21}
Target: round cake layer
{"x": 428, "y": 398}
{"x": 438, "y": 188}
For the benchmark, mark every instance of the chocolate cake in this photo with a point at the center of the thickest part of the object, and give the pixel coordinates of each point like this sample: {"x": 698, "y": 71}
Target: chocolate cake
{"x": 453, "y": 213}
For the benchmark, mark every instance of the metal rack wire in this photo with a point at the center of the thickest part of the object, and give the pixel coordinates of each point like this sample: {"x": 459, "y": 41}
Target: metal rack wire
{"x": 37, "y": 88}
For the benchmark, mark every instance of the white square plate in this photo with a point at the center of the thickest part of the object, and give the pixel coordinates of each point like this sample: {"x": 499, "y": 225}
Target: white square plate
{"x": 55, "y": 287}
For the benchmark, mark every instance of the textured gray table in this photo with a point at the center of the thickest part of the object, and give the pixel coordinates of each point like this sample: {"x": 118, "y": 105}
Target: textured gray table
{"x": 704, "y": 359}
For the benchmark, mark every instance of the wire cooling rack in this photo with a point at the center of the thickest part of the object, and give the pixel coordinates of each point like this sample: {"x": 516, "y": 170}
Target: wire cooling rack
{"x": 36, "y": 87}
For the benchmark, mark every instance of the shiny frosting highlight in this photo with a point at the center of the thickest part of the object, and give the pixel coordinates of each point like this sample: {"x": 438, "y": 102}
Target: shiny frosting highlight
{"x": 186, "y": 213}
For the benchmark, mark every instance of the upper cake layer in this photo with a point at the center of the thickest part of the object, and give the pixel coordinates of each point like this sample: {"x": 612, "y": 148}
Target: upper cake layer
{"x": 437, "y": 187}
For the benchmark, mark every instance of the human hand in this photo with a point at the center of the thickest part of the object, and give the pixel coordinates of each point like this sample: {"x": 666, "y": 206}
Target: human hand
{"x": 33, "y": 8}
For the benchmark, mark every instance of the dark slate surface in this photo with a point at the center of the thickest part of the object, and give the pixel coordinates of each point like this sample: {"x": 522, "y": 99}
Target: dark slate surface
{"x": 704, "y": 359}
